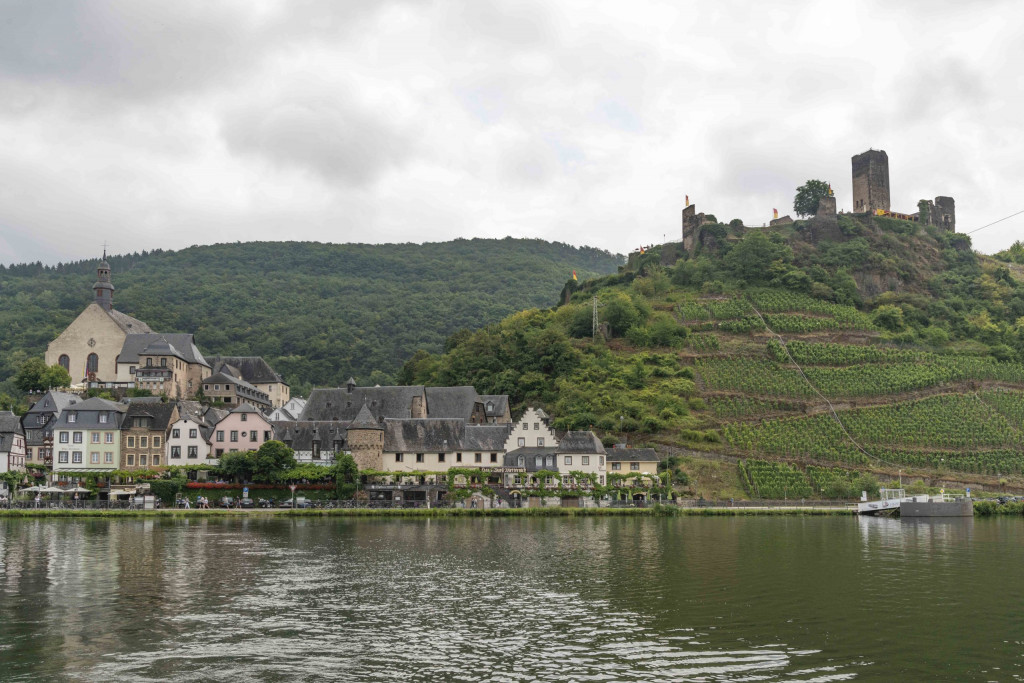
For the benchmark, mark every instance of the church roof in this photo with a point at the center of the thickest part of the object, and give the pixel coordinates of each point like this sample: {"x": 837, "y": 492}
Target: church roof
{"x": 127, "y": 323}
{"x": 183, "y": 343}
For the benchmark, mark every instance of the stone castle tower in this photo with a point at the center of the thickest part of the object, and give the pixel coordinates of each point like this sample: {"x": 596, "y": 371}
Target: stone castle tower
{"x": 871, "y": 181}
{"x": 366, "y": 441}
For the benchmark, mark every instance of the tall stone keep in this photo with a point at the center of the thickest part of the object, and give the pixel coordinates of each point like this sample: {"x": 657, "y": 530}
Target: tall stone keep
{"x": 871, "y": 181}
{"x": 366, "y": 441}
{"x": 691, "y": 222}
{"x": 945, "y": 213}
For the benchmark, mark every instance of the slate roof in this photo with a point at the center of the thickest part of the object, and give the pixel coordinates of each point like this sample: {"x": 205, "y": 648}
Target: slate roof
{"x": 486, "y": 437}
{"x": 184, "y": 344}
{"x": 127, "y": 323}
{"x": 246, "y": 408}
{"x": 159, "y": 411}
{"x": 529, "y": 455}
{"x": 161, "y": 347}
{"x": 580, "y": 442}
{"x": 448, "y": 402}
{"x": 190, "y": 410}
{"x": 253, "y": 369}
{"x": 53, "y": 401}
{"x": 365, "y": 420}
{"x": 87, "y": 414}
{"x": 499, "y": 404}
{"x": 302, "y": 434}
{"x": 290, "y": 411}
{"x": 421, "y": 435}
{"x": 343, "y": 405}
{"x": 10, "y": 424}
{"x": 633, "y": 455}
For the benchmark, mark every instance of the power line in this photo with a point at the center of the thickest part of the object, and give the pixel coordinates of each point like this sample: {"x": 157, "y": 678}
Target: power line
{"x": 969, "y": 232}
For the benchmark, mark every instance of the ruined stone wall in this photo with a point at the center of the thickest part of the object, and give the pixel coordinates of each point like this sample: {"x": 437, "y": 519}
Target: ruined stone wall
{"x": 870, "y": 181}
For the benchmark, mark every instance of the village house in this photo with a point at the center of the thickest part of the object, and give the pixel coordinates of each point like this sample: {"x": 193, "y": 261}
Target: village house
{"x": 242, "y": 429}
{"x": 636, "y": 461}
{"x": 257, "y": 372}
{"x": 12, "y": 446}
{"x": 39, "y": 422}
{"x": 577, "y": 459}
{"x": 87, "y": 437}
{"x": 289, "y": 412}
{"x": 412, "y": 402}
{"x": 232, "y": 390}
{"x": 144, "y": 432}
{"x": 313, "y": 442}
{"x": 169, "y": 364}
{"x": 188, "y": 439}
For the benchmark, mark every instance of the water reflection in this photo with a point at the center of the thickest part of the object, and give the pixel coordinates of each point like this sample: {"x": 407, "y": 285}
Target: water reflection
{"x": 482, "y": 599}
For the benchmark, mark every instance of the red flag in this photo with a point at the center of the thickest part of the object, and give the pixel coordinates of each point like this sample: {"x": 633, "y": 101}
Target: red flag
{"x": 574, "y": 275}
{"x": 776, "y": 212}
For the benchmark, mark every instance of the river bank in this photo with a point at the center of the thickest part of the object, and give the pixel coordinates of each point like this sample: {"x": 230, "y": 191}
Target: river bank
{"x": 653, "y": 511}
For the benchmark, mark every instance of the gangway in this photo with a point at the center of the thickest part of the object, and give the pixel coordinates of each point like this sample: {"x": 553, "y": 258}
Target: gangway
{"x": 891, "y": 499}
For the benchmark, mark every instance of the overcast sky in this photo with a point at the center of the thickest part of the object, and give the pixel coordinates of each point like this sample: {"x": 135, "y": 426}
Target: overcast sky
{"x": 166, "y": 124}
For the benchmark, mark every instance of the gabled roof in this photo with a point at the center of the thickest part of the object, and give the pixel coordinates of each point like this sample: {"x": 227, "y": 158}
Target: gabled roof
{"x": 161, "y": 347}
{"x": 99, "y": 404}
{"x": 530, "y": 455}
{"x": 53, "y": 401}
{"x": 420, "y": 435}
{"x": 253, "y": 369}
{"x": 499, "y": 404}
{"x": 488, "y": 437}
{"x": 365, "y": 420}
{"x": 449, "y": 402}
{"x": 10, "y": 423}
{"x": 159, "y": 411}
{"x": 246, "y": 408}
{"x": 633, "y": 455}
{"x": 580, "y": 442}
{"x": 127, "y": 323}
{"x": 301, "y": 435}
{"x": 343, "y": 405}
{"x": 183, "y": 343}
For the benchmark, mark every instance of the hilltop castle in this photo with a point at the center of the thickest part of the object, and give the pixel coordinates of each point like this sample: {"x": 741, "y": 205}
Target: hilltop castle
{"x": 870, "y": 196}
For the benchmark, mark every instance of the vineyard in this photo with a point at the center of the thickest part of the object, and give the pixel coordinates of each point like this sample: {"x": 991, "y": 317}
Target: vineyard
{"x": 745, "y": 406}
{"x": 774, "y": 481}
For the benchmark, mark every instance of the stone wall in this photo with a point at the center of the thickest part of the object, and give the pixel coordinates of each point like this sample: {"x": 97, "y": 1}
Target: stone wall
{"x": 870, "y": 181}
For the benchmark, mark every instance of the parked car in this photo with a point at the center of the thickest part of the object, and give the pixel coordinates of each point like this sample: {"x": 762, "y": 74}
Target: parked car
{"x": 246, "y": 503}
{"x": 266, "y": 503}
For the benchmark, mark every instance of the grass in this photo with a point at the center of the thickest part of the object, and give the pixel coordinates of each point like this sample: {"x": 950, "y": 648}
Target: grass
{"x": 653, "y": 511}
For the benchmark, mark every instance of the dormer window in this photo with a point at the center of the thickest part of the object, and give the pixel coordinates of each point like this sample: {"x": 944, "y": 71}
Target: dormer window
{"x": 103, "y": 418}
{"x": 72, "y": 418}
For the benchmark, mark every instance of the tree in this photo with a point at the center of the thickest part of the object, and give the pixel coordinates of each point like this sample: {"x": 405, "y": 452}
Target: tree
{"x": 238, "y": 465}
{"x": 808, "y": 196}
{"x": 346, "y": 476}
{"x": 35, "y": 375}
{"x": 751, "y": 258}
{"x": 272, "y": 458}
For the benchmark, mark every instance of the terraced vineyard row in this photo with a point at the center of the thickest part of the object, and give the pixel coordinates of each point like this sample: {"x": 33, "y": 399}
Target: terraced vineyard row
{"x": 744, "y": 406}
{"x": 960, "y": 432}
{"x": 773, "y": 480}
{"x": 784, "y": 312}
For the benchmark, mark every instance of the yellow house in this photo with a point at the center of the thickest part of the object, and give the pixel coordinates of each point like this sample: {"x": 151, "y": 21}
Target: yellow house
{"x": 635, "y": 461}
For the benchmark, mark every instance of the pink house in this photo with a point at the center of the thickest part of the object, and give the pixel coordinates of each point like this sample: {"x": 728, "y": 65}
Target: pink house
{"x": 243, "y": 429}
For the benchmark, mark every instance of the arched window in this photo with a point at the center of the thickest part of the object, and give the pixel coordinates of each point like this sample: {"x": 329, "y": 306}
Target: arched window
{"x": 64, "y": 362}
{"x": 92, "y": 364}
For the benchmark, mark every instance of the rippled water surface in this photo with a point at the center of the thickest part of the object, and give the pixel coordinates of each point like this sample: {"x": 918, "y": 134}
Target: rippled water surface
{"x": 589, "y": 599}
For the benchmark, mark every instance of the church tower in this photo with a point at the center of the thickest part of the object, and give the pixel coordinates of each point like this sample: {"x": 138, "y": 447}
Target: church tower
{"x": 103, "y": 288}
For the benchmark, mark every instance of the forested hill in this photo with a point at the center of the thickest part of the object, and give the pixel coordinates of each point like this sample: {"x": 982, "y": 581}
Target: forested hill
{"x": 739, "y": 349}
{"x": 318, "y": 312}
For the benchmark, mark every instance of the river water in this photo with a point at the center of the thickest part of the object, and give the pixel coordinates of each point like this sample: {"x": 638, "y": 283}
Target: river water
{"x": 521, "y": 599}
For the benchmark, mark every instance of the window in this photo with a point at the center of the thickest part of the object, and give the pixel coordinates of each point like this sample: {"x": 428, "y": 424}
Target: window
{"x": 76, "y": 437}
{"x": 103, "y": 418}
{"x": 478, "y": 457}
{"x": 142, "y": 460}
{"x": 419, "y": 457}
{"x": 72, "y": 418}
{"x": 565, "y": 480}
{"x": 193, "y": 451}
{"x": 616, "y": 465}
{"x": 206, "y": 387}
{"x": 521, "y": 462}
{"x": 398, "y": 457}
{"x": 601, "y": 459}
{"x": 94, "y": 437}
{"x": 76, "y": 457}
{"x": 92, "y": 363}
{"x": 602, "y": 480}
{"x": 458, "y": 457}
{"x": 131, "y": 458}
{"x": 634, "y": 466}
{"x": 94, "y": 458}
{"x": 64, "y": 437}
{"x": 234, "y": 436}
{"x": 586, "y": 459}
{"x": 494, "y": 457}
{"x": 550, "y": 461}
{"x": 131, "y": 442}
{"x": 220, "y": 435}
{"x": 526, "y": 425}
{"x": 62, "y": 456}
{"x": 568, "y": 460}
{"x": 536, "y": 425}
{"x": 193, "y": 433}
{"x": 440, "y": 457}
{"x": 216, "y": 387}
{"x": 244, "y": 417}
{"x": 149, "y": 362}
{"x": 252, "y": 436}
{"x": 175, "y": 433}
{"x": 156, "y": 459}
{"x": 521, "y": 441}
{"x": 175, "y": 451}
{"x": 266, "y": 437}
{"x": 540, "y": 442}
{"x": 220, "y": 452}
{"x": 108, "y": 437}
{"x": 131, "y": 369}
{"x": 163, "y": 362}
{"x": 538, "y": 462}
{"x": 41, "y": 419}
{"x": 65, "y": 363}
{"x": 156, "y": 442}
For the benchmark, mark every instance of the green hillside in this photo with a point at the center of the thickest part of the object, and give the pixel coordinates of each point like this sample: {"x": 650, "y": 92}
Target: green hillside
{"x": 746, "y": 348}
{"x": 318, "y": 312}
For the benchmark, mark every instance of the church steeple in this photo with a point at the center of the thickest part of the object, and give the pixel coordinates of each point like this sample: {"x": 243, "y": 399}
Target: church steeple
{"x": 103, "y": 288}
